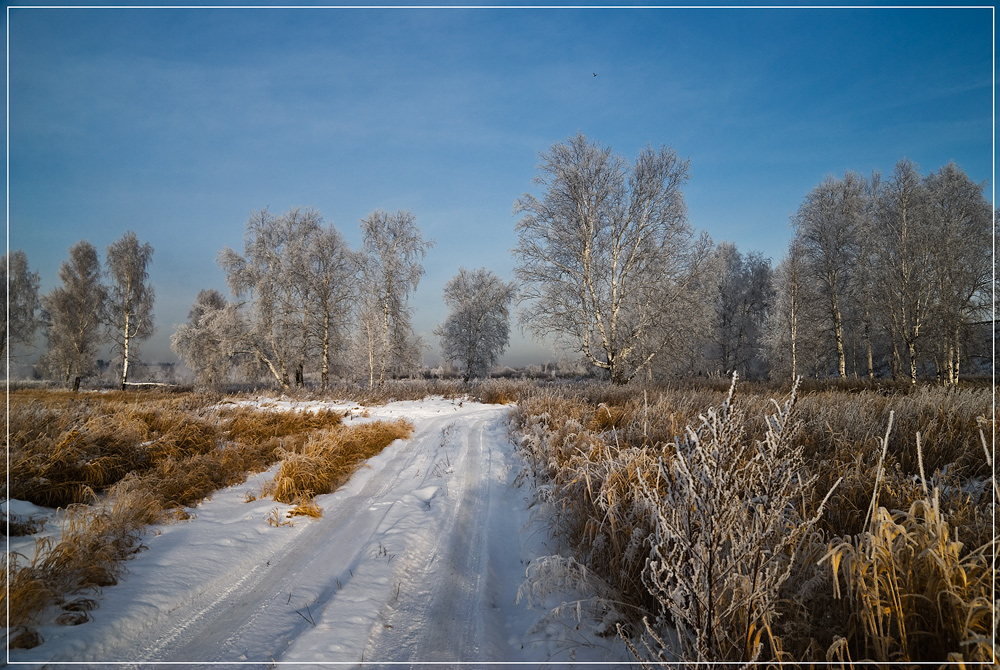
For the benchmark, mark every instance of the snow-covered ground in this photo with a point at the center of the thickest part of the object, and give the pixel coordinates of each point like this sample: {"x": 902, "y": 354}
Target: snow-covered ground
{"x": 417, "y": 559}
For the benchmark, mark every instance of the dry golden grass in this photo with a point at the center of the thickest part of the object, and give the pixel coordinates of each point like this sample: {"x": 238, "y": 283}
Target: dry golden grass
{"x": 25, "y": 589}
{"x": 96, "y": 540}
{"x": 95, "y": 543}
{"x": 245, "y": 425}
{"x": 393, "y": 390}
{"x": 607, "y": 484}
{"x": 913, "y": 592}
{"x": 329, "y": 458}
{"x": 948, "y": 420}
{"x": 502, "y": 391}
{"x": 552, "y": 432}
{"x": 64, "y": 448}
{"x": 306, "y": 507}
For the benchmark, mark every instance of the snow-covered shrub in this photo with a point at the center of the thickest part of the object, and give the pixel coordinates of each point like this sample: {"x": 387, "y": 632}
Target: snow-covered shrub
{"x": 699, "y": 533}
{"x": 729, "y": 519}
{"x": 555, "y": 576}
{"x": 549, "y": 431}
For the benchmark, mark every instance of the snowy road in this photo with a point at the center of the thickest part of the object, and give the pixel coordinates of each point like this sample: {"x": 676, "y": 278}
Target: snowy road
{"x": 417, "y": 558}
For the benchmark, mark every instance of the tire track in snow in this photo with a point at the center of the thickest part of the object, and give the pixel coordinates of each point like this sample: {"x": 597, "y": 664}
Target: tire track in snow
{"x": 256, "y": 621}
{"x": 447, "y": 608}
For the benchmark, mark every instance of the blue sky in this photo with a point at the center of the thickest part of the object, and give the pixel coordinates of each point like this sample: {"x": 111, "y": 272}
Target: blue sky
{"x": 177, "y": 123}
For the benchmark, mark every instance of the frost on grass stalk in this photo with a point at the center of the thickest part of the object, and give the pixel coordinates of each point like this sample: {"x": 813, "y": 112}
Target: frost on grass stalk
{"x": 549, "y": 579}
{"x": 728, "y": 520}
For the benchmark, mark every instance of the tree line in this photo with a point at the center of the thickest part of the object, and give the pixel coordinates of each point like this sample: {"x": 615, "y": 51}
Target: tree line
{"x": 91, "y": 308}
{"x": 297, "y": 288}
{"x": 883, "y": 277}
{"x": 302, "y": 303}
{"x": 887, "y": 277}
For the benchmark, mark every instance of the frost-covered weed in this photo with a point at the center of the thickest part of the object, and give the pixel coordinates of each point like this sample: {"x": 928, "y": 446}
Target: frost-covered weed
{"x": 700, "y": 533}
{"x": 576, "y": 606}
{"x": 729, "y": 518}
{"x": 550, "y": 432}
{"x": 555, "y": 575}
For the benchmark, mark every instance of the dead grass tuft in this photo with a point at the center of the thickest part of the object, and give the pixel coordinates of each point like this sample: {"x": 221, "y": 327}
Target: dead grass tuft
{"x": 502, "y": 391}
{"x": 328, "y": 459}
{"x": 25, "y": 590}
{"x": 306, "y": 507}
{"x": 275, "y": 519}
{"x": 398, "y": 389}
{"x": 23, "y": 638}
{"x": 247, "y": 425}
{"x": 95, "y": 542}
{"x": 20, "y": 526}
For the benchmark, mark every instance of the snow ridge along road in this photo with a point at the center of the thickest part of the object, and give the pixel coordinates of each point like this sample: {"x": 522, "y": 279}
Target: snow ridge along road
{"x": 418, "y": 558}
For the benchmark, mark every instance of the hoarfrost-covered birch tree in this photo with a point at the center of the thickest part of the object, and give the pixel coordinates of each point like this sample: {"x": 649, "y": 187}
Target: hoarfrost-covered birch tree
{"x": 129, "y": 305}
{"x": 21, "y": 303}
{"x": 72, "y": 315}
{"x": 864, "y": 278}
{"x": 742, "y": 301}
{"x": 903, "y": 247}
{"x": 206, "y": 342}
{"x": 477, "y": 330}
{"x": 826, "y": 225}
{"x": 331, "y": 267}
{"x": 605, "y": 251}
{"x": 390, "y": 270}
{"x": 790, "y": 330}
{"x": 272, "y": 281}
{"x": 962, "y": 258}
